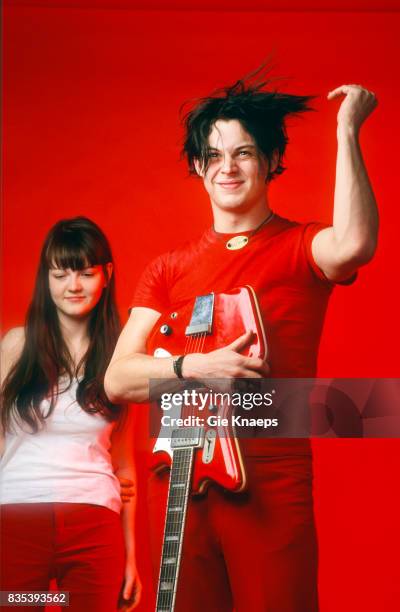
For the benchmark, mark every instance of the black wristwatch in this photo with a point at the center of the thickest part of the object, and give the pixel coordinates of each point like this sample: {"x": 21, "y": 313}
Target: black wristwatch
{"x": 177, "y": 363}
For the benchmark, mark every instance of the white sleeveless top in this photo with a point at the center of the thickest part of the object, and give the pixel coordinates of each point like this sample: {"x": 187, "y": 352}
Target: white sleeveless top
{"x": 67, "y": 460}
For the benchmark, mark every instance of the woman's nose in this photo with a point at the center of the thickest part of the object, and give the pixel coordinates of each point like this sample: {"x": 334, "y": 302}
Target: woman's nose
{"x": 74, "y": 283}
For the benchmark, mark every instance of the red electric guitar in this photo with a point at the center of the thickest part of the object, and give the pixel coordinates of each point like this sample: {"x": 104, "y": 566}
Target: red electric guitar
{"x": 198, "y": 455}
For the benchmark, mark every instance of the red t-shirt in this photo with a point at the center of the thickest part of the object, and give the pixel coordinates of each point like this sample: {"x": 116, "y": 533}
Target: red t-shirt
{"x": 277, "y": 262}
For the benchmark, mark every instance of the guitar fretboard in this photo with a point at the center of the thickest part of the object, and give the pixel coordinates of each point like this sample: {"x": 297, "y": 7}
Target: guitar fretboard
{"x": 178, "y": 494}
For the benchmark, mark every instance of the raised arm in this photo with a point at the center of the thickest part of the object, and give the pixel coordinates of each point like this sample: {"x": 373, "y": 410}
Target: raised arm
{"x": 351, "y": 241}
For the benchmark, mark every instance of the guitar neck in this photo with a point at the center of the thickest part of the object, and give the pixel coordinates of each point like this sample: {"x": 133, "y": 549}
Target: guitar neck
{"x": 178, "y": 495}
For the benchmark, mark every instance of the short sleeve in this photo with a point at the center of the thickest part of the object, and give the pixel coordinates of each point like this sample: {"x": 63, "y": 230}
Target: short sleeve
{"x": 151, "y": 290}
{"x": 311, "y": 230}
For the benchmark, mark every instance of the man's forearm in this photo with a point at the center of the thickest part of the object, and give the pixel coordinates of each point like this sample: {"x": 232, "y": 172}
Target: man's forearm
{"x": 355, "y": 217}
{"x": 127, "y": 379}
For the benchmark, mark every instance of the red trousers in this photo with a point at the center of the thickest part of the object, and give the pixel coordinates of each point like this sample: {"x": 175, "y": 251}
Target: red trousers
{"x": 254, "y": 551}
{"x": 81, "y": 545}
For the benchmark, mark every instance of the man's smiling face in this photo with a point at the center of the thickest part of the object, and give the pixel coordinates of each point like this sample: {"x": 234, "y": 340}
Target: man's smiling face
{"x": 236, "y": 174}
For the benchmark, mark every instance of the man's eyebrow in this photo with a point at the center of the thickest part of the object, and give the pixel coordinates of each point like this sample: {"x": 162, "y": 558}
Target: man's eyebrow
{"x": 242, "y": 146}
{"x": 246, "y": 146}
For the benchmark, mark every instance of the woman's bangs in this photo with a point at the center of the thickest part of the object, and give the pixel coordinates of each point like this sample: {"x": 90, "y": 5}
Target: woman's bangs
{"x": 71, "y": 255}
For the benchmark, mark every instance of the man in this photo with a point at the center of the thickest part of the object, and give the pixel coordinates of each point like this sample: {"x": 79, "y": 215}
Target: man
{"x": 254, "y": 551}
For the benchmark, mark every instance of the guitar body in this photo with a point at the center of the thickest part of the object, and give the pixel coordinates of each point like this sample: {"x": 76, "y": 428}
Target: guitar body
{"x": 194, "y": 329}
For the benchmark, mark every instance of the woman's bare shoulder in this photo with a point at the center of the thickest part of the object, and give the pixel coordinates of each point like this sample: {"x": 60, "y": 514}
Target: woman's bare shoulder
{"x": 13, "y": 338}
{"x": 11, "y": 347}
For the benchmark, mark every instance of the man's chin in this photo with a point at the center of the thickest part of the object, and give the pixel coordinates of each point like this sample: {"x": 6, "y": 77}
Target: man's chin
{"x": 231, "y": 203}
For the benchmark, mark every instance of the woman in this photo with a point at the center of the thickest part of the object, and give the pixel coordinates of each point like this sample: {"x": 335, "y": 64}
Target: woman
{"x": 60, "y": 495}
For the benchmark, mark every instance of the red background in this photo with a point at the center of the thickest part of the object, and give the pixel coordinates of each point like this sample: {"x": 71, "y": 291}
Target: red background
{"x": 91, "y": 104}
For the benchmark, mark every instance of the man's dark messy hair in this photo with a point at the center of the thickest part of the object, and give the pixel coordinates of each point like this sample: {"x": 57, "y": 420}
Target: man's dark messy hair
{"x": 261, "y": 110}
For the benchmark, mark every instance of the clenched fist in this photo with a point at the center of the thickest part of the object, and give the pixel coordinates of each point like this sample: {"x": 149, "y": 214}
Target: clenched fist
{"x": 357, "y": 105}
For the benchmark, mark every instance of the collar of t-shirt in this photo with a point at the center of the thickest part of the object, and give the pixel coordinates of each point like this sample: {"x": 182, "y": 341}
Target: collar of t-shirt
{"x": 268, "y": 230}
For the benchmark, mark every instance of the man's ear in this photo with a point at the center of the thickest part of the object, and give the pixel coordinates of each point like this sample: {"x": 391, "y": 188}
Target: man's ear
{"x": 109, "y": 270}
{"x": 198, "y": 168}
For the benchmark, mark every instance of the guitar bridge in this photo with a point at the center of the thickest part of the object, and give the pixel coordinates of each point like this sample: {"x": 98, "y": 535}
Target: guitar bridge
{"x": 202, "y": 316}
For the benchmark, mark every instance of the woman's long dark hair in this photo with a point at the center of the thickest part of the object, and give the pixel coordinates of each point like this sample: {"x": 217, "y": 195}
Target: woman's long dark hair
{"x": 73, "y": 244}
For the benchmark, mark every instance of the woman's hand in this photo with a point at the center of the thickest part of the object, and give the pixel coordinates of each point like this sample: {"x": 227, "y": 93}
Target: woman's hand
{"x": 127, "y": 489}
{"x": 132, "y": 587}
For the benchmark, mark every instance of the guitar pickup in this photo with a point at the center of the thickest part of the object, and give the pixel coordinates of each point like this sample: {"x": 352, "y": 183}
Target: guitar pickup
{"x": 187, "y": 437}
{"x": 202, "y": 316}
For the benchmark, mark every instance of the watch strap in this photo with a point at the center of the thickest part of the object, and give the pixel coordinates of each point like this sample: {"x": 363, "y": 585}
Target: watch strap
{"x": 177, "y": 364}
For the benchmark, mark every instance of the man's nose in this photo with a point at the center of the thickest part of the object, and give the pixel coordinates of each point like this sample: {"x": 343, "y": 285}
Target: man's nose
{"x": 228, "y": 164}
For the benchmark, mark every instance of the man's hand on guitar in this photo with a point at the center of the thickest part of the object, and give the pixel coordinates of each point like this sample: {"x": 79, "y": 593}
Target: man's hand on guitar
{"x": 226, "y": 362}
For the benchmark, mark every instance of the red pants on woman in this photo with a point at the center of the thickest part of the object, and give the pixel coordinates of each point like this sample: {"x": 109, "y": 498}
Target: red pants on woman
{"x": 80, "y": 545}
{"x": 254, "y": 551}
